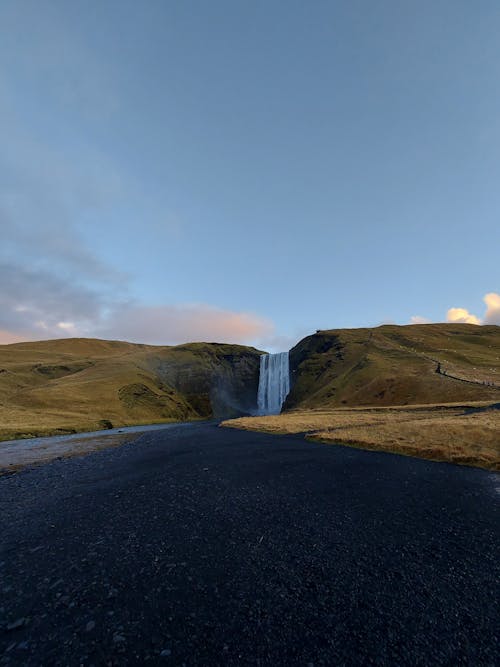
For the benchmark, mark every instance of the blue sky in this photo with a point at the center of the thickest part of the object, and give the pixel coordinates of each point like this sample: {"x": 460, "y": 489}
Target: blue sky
{"x": 247, "y": 171}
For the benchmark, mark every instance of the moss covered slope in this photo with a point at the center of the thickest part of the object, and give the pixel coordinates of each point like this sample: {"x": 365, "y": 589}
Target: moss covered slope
{"x": 396, "y": 365}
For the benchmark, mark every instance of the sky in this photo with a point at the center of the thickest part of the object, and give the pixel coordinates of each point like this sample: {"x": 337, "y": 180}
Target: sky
{"x": 247, "y": 172}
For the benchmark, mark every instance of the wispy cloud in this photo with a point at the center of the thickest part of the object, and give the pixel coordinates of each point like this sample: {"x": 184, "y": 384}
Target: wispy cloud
{"x": 7, "y": 337}
{"x": 181, "y": 323}
{"x": 36, "y": 304}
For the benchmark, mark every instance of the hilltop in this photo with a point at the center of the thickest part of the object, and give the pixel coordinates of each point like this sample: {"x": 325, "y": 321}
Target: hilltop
{"x": 79, "y": 384}
{"x": 396, "y": 365}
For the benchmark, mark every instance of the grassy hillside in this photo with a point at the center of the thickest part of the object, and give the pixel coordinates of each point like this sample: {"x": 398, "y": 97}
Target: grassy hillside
{"x": 83, "y": 384}
{"x": 396, "y": 365}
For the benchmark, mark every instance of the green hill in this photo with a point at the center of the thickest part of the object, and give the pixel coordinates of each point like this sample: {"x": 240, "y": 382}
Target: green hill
{"x": 396, "y": 365}
{"x": 68, "y": 385}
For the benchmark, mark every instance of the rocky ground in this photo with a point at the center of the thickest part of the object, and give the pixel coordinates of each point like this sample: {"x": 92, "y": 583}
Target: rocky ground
{"x": 18, "y": 454}
{"x": 205, "y": 546}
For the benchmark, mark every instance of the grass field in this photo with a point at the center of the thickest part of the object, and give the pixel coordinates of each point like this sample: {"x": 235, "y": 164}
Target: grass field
{"x": 453, "y": 433}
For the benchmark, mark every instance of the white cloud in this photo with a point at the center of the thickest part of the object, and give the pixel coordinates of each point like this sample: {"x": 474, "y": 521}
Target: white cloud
{"x": 418, "y": 319}
{"x": 492, "y": 315}
{"x": 462, "y": 316}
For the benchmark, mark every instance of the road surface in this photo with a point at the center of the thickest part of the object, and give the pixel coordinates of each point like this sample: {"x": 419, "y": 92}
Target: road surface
{"x": 199, "y": 545}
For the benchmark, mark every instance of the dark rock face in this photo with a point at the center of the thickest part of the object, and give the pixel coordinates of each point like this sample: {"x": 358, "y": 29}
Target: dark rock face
{"x": 234, "y": 385}
{"x": 217, "y": 380}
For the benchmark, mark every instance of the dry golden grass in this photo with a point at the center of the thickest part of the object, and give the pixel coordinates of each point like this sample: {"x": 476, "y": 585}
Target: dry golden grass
{"x": 73, "y": 385}
{"x": 440, "y": 433}
{"x": 19, "y": 423}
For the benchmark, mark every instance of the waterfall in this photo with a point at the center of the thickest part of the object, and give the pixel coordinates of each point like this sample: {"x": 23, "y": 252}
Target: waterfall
{"x": 274, "y": 383}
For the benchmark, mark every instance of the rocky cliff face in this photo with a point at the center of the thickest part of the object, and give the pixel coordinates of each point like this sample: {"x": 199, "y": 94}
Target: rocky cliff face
{"x": 217, "y": 380}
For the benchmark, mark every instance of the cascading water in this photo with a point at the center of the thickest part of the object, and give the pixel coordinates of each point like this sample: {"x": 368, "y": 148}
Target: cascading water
{"x": 274, "y": 383}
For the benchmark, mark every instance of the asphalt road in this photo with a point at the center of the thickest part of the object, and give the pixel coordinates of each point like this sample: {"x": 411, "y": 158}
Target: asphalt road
{"x": 206, "y": 546}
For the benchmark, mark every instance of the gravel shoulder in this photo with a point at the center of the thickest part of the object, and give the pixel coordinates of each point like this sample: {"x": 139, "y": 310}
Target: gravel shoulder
{"x": 15, "y": 455}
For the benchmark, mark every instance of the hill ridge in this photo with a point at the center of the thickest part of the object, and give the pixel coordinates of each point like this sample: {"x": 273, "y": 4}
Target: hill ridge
{"x": 395, "y": 364}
